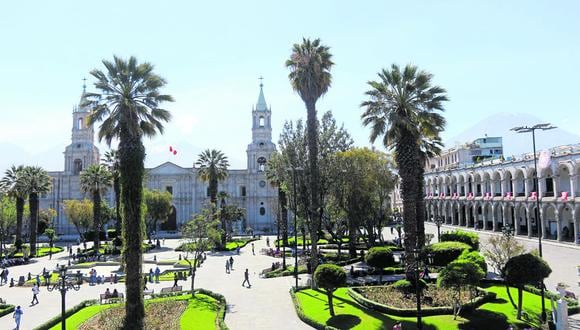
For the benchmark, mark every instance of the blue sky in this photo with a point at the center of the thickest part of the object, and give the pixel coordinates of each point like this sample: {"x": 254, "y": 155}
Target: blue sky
{"x": 493, "y": 57}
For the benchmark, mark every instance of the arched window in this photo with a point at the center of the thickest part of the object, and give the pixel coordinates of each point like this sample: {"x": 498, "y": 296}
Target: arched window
{"x": 77, "y": 166}
{"x": 261, "y": 122}
{"x": 80, "y": 123}
{"x": 262, "y": 211}
{"x": 261, "y": 164}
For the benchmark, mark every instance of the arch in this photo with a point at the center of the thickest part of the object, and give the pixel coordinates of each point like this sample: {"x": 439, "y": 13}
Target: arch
{"x": 261, "y": 164}
{"x": 519, "y": 184}
{"x": 171, "y": 223}
{"x": 566, "y": 219}
{"x": 261, "y": 121}
{"x": 508, "y": 178}
{"x": 262, "y": 211}
{"x": 550, "y": 225}
{"x": 564, "y": 172}
{"x": 77, "y": 166}
{"x": 477, "y": 182}
{"x": 80, "y": 123}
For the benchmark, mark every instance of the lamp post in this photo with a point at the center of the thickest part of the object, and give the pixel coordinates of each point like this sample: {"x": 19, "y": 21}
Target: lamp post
{"x": 65, "y": 283}
{"x": 420, "y": 261}
{"x": 398, "y": 219}
{"x": 191, "y": 272}
{"x": 439, "y": 221}
{"x": 532, "y": 129}
{"x": 294, "y": 169}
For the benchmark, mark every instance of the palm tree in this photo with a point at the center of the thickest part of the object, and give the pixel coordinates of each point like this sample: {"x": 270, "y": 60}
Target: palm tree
{"x": 128, "y": 104}
{"x": 213, "y": 167}
{"x": 402, "y": 108}
{"x": 11, "y": 184}
{"x": 34, "y": 181}
{"x": 111, "y": 161}
{"x": 310, "y": 77}
{"x": 95, "y": 180}
{"x": 276, "y": 175}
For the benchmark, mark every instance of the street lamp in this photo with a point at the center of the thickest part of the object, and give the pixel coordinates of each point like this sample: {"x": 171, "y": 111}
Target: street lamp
{"x": 398, "y": 219}
{"x": 421, "y": 261}
{"x": 191, "y": 272}
{"x": 294, "y": 169}
{"x": 65, "y": 283}
{"x": 532, "y": 129}
{"x": 439, "y": 221}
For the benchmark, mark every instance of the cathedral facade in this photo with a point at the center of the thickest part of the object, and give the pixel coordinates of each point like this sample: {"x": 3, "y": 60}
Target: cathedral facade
{"x": 247, "y": 188}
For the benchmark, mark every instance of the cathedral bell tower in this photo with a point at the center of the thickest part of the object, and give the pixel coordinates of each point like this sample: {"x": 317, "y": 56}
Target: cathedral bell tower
{"x": 261, "y": 148}
{"x": 82, "y": 152}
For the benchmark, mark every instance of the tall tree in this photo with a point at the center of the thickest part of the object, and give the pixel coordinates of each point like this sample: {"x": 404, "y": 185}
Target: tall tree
{"x": 129, "y": 105}
{"x": 11, "y": 184}
{"x": 35, "y": 181}
{"x": 7, "y": 217}
{"x": 95, "y": 180}
{"x": 276, "y": 173}
{"x": 79, "y": 213}
{"x": 159, "y": 207}
{"x": 310, "y": 77}
{"x": 213, "y": 167}
{"x": 112, "y": 162}
{"x": 403, "y": 109}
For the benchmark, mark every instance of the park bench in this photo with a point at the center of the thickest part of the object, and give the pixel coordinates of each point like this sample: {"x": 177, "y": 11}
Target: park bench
{"x": 104, "y": 299}
{"x": 148, "y": 292}
{"x": 2, "y": 301}
{"x": 171, "y": 289}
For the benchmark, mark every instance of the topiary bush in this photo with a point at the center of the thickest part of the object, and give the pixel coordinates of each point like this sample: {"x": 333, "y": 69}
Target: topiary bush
{"x": 380, "y": 257}
{"x": 468, "y": 238}
{"x": 475, "y": 257}
{"x": 330, "y": 277}
{"x": 445, "y": 252}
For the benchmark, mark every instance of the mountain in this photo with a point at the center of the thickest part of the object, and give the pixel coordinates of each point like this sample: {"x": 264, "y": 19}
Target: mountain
{"x": 514, "y": 143}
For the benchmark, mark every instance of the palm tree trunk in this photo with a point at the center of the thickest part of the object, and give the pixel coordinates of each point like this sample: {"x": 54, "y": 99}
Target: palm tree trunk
{"x": 117, "y": 189}
{"x": 96, "y": 220}
{"x": 33, "y": 206}
{"x": 420, "y": 205}
{"x": 19, "y": 216}
{"x": 314, "y": 211}
{"x": 132, "y": 156}
{"x": 284, "y": 207}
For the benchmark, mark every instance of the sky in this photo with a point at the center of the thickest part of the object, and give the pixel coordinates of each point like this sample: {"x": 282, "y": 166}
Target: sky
{"x": 493, "y": 57}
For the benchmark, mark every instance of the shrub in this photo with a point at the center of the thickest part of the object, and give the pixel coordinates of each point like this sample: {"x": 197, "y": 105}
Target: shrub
{"x": 474, "y": 257}
{"x": 468, "y": 238}
{"x": 380, "y": 257}
{"x": 112, "y": 233}
{"x": 407, "y": 286}
{"x": 445, "y": 252}
{"x": 90, "y": 236}
{"x": 330, "y": 277}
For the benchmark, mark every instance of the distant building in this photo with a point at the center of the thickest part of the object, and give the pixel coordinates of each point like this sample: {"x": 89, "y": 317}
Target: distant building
{"x": 485, "y": 148}
{"x": 247, "y": 188}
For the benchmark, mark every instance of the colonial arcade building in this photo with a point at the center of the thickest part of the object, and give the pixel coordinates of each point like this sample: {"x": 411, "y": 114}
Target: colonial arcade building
{"x": 496, "y": 193}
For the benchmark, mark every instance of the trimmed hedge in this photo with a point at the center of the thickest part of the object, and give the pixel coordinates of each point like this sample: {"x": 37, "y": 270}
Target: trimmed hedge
{"x": 471, "y": 239}
{"x": 57, "y": 319}
{"x": 445, "y": 252}
{"x": 6, "y": 309}
{"x": 304, "y": 318}
{"x": 425, "y": 311}
{"x": 475, "y": 257}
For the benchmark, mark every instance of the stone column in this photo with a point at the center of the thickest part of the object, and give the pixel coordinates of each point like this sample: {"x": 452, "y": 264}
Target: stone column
{"x": 541, "y": 184}
{"x": 460, "y": 213}
{"x": 493, "y": 222}
{"x": 573, "y": 186}
{"x": 527, "y": 187}
{"x": 542, "y": 223}
{"x": 556, "y": 183}
{"x": 558, "y": 224}
{"x": 529, "y": 219}
{"x": 576, "y": 227}
{"x": 502, "y": 186}
{"x": 516, "y": 219}
{"x": 503, "y": 215}
{"x": 484, "y": 216}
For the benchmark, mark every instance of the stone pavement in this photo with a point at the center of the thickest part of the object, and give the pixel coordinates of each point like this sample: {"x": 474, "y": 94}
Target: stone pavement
{"x": 266, "y": 305}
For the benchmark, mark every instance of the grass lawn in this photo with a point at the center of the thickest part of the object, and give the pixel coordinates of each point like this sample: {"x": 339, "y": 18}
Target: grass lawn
{"x": 241, "y": 242}
{"x": 53, "y": 279}
{"x": 200, "y": 313}
{"x": 41, "y": 252}
{"x": 300, "y": 241}
{"x": 288, "y": 272}
{"x": 497, "y": 314}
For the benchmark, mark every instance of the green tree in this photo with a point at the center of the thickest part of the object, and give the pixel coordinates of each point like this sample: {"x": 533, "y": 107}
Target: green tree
{"x": 45, "y": 219}
{"x": 402, "y": 108}
{"x": 7, "y": 217}
{"x": 11, "y": 184}
{"x": 95, "y": 180}
{"x": 159, "y": 208}
{"x": 80, "y": 214}
{"x": 457, "y": 275}
{"x": 129, "y": 106}
{"x": 201, "y": 233}
{"x": 380, "y": 257}
{"x": 276, "y": 173}
{"x": 310, "y": 77}
{"x": 111, "y": 161}
{"x": 213, "y": 167}
{"x": 525, "y": 269}
{"x": 330, "y": 277}
{"x": 499, "y": 249}
{"x": 35, "y": 181}
{"x": 229, "y": 212}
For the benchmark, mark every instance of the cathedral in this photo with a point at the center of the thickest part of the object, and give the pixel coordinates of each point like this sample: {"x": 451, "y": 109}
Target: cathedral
{"x": 247, "y": 188}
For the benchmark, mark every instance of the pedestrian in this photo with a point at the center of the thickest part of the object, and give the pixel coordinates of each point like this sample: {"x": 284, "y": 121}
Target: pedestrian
{"x": 227, "y": 266}
{"x": 17, "y": 316}
{"x": 175, "y": 279}
{"x": 253, "y": 249}
{"x": 2, "y": 277}
{"x": 150, "y": 275}
{"x": 157, "y": 273}
{"x": 6, "y": 275}
{"x": 35, "y": 292}
{"x": 268, "y": 241}
{"x": 246, "y": 278}
{"x": 163, "y": 241}
{"x": 145, "y": 282}
{"x": 37, "y": 280}
{"x": 231, "y": 263}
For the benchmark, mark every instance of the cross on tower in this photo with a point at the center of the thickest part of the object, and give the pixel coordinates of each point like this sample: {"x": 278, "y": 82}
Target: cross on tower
{"x": 261, "y": 78}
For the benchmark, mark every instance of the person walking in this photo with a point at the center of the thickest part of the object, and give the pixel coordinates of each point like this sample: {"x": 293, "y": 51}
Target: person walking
{"x": 246, "y": 279}
{"x": 17, "y": 316}
{"x": 227, "y": 266}
{"x": 268, "y": 241}
{"x": 254, "y": 253}
{"x": 145, "y": 282}
{"x": 35, "y": 292}
{"x": 175, "y": 279}
{"x": 157, "y": 273}
{"x": 150, "y": 275}
{"x": 231, "y": 263}
{"x": 6, "y": 275}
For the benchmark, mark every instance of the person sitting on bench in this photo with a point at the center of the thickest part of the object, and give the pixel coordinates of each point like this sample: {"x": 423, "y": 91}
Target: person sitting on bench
{"x": 115, "y": 294}
{"x": 107, "y": 294}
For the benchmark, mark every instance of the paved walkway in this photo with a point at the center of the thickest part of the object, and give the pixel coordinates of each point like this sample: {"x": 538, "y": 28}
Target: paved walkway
{"x": 266, "y": 305}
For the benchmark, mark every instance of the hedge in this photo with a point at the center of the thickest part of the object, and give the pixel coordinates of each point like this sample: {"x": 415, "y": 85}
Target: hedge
{"x": 425, "y": 311}
{"x": 445, "y": 252}
{"x": 471, "y": 239}
{"x": 6, "y": 309}
{"x": 304, "y": 318}
{"x": 57, "y": 319}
